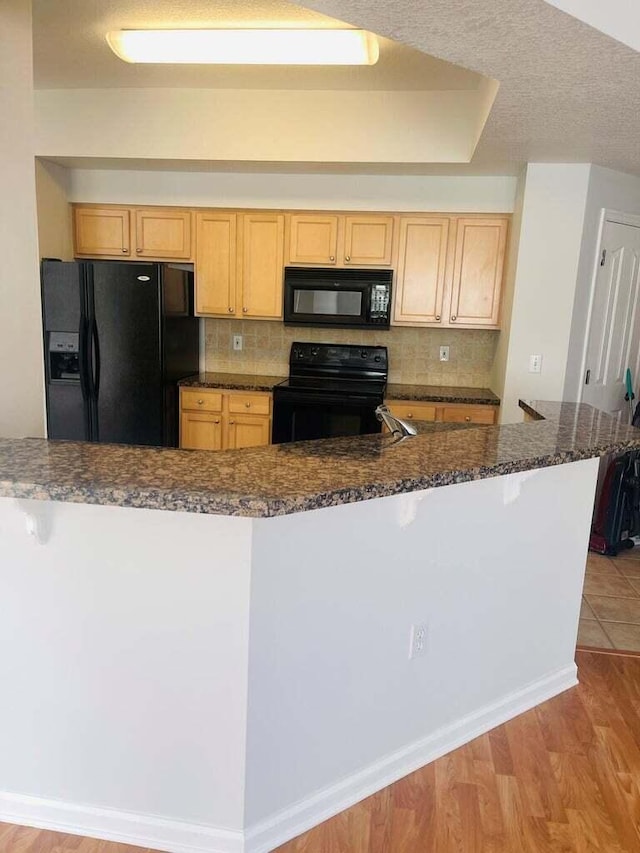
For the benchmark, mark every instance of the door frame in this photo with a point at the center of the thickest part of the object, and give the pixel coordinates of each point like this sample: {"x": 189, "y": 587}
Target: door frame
{"x": 617, "y": 217}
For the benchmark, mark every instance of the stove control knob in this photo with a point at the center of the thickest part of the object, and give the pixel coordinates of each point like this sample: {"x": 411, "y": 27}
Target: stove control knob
{"x": 364, "y": 354}
{"x": 376, "y": 358}
{"x": 314, "y": 350}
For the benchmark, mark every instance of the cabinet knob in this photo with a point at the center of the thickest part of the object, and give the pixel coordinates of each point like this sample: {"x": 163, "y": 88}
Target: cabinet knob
{"x": 217, "y": 421}
{"x": 409, "y": 414}
{"x": 347, "y": 257}
{"x": 248, "y": 405}
{"x": 453, "y": 317}
{"x": 232, "y": 422}
{"x": 244, "y": 310}
{"x": 467, "y": 417}
{"x": 138, "y": 250}
{"x": 230, "y": 310}
{"x": 332, "y": 257}
{"x": 200, "y": 402}
{"x": 124, "y": 250}
{"x": 437, "y": 316}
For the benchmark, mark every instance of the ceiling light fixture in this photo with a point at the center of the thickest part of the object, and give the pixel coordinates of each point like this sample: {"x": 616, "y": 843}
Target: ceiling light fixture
{"x": 246, "y": 47}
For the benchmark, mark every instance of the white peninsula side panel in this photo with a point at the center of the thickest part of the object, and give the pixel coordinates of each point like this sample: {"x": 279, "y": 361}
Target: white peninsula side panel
{"x": 337, "y": 710}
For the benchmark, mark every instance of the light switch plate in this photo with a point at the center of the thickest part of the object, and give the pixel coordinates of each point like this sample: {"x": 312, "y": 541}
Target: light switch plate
{"x": 444, "y": 353}
{"x": 237, "y": 342}
{"x": 535, "y": 364}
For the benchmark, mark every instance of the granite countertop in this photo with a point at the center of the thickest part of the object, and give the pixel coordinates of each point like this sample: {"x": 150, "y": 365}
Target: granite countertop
{"x": 232, "y": 381}
{"x": 441, "y": 394}
{"x": 395, "y": 391}
{"x": 288, "y": 478}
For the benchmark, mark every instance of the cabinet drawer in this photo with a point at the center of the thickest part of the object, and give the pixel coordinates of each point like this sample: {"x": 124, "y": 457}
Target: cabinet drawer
{"x": 200, "y": 400}
{"x": 469, "y": 414}
{"x": 411, "y": 411}
{"x": 254, "y": 404}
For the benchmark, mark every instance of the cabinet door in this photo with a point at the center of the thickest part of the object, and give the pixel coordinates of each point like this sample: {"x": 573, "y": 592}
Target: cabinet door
{"x": 102, "y": 231}
{"x": 200, "y": 431}
{"x": 477, "y": 272}
{"x": 468, "y": 414}
{"x": 368, "y": 240}
{"x": 262, "y": 265}
{"x": 163, "y": 234}
{"x": 215, "y": 267}
{"x": 248, "y": 431}
{"x": 313, "y": 239}
{"x": 422, "y": 260}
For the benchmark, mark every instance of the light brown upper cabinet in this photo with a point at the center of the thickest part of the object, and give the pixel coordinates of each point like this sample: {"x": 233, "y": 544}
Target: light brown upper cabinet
{"x": 216, "y": 262}
{"x": 450, "y": 271}
{"x": 422, "y": 261}
{"x": 477, "y": 272}
{"x": 130, "y": 232}
{"x": 239, "y": 264}
{"x": 102, "y": 231}
{"x": 262, "y": 264}
{"x": 341, "y": 240}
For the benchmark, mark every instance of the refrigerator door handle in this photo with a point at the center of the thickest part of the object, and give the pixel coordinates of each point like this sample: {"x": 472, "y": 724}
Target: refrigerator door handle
{"x": 83, "y": 359}
{"x": 95, "y": 359}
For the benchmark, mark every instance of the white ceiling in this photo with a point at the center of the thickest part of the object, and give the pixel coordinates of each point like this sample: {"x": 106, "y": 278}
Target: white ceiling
{"x": 70, "y": 50}
{"x": 568, "y": 93}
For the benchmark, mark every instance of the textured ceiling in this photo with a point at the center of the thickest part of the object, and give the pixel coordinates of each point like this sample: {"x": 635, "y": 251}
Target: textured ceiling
{"x": 70, "y": 50}
{"x": 568, "y": 93}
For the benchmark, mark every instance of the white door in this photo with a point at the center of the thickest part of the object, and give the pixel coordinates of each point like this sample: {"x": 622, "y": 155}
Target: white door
{"x": 614, "y": 331}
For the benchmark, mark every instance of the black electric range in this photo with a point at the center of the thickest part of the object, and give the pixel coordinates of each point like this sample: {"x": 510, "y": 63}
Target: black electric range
{"x": 332, "y": 390}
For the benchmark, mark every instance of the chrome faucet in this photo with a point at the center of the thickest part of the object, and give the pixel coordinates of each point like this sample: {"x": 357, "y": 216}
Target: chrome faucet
{"x": 396, "y": 426}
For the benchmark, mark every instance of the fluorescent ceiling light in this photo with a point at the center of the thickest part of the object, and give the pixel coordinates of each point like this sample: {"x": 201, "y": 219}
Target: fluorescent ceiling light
{"x": 246, "y": 47}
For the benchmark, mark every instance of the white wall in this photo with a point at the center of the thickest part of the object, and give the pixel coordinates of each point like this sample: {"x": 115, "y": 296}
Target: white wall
{"x": 499, "y": 369}
{"x": 21, "y": 372}
{"x": 553, "y": 212}
{"x": 263, "y": 125}
{"x": 493, "y": 194}
{"x": 54, "y": 215}
{"x": 614, "y": 191}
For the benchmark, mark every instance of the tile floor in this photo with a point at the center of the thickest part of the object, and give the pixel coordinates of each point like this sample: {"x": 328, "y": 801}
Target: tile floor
{"x": 610, "y": 614}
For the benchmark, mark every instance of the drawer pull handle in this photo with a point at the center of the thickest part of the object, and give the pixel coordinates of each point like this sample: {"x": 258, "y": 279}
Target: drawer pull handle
{"x": 200, "y": 402}
{"x": 467, "y": 417}
{"x": 248, "y": 405}
{"x": 409, "y": 414}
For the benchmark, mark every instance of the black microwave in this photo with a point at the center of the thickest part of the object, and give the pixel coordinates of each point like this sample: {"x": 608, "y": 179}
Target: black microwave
{"x": 337, "y": 297}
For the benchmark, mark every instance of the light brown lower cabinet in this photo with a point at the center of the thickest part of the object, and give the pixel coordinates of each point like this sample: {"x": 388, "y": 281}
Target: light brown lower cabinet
{"x": 443, "y": 412}
{"x": 224, "y": 420}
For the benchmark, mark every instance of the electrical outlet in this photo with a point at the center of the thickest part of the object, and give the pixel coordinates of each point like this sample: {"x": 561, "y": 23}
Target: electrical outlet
{"x": 535, "y": 364}
{"x": 237, "y": 342}
{"x": 444, "y": 353}
{"x": 418, "y": 640}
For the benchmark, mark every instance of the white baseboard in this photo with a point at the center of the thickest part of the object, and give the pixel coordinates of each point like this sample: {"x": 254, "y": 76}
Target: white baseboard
{"x": 304, "y": 815}
{"x": 178, "y": 837}
{"x": 110, "y": 825}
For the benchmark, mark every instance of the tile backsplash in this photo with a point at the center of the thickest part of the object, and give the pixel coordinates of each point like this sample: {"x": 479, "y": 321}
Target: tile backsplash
{"x": 413, "y": 353}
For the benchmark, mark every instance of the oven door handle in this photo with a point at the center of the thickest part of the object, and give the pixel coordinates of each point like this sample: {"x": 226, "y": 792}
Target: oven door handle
{"x": 300, "y": 398}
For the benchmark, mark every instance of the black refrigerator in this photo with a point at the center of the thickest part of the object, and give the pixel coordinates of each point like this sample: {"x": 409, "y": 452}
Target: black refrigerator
{"x": 117, "y": 338}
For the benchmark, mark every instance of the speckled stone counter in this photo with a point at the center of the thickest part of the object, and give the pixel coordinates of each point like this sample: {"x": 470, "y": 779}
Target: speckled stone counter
{"x": 232, "y": 381}
{"x": 441, "y": 394}
{"x": 289, "y": 478}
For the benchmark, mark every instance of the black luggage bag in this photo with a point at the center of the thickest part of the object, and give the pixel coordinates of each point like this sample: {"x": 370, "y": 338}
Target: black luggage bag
{"x": 617, "y": 517}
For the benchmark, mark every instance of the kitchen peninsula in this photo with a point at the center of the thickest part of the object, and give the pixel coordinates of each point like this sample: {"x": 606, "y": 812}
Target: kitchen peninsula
{"x": 218, "y": 646}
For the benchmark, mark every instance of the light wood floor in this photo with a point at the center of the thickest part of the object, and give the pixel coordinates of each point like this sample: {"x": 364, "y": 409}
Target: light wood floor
{"x": 562, "y": 778}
